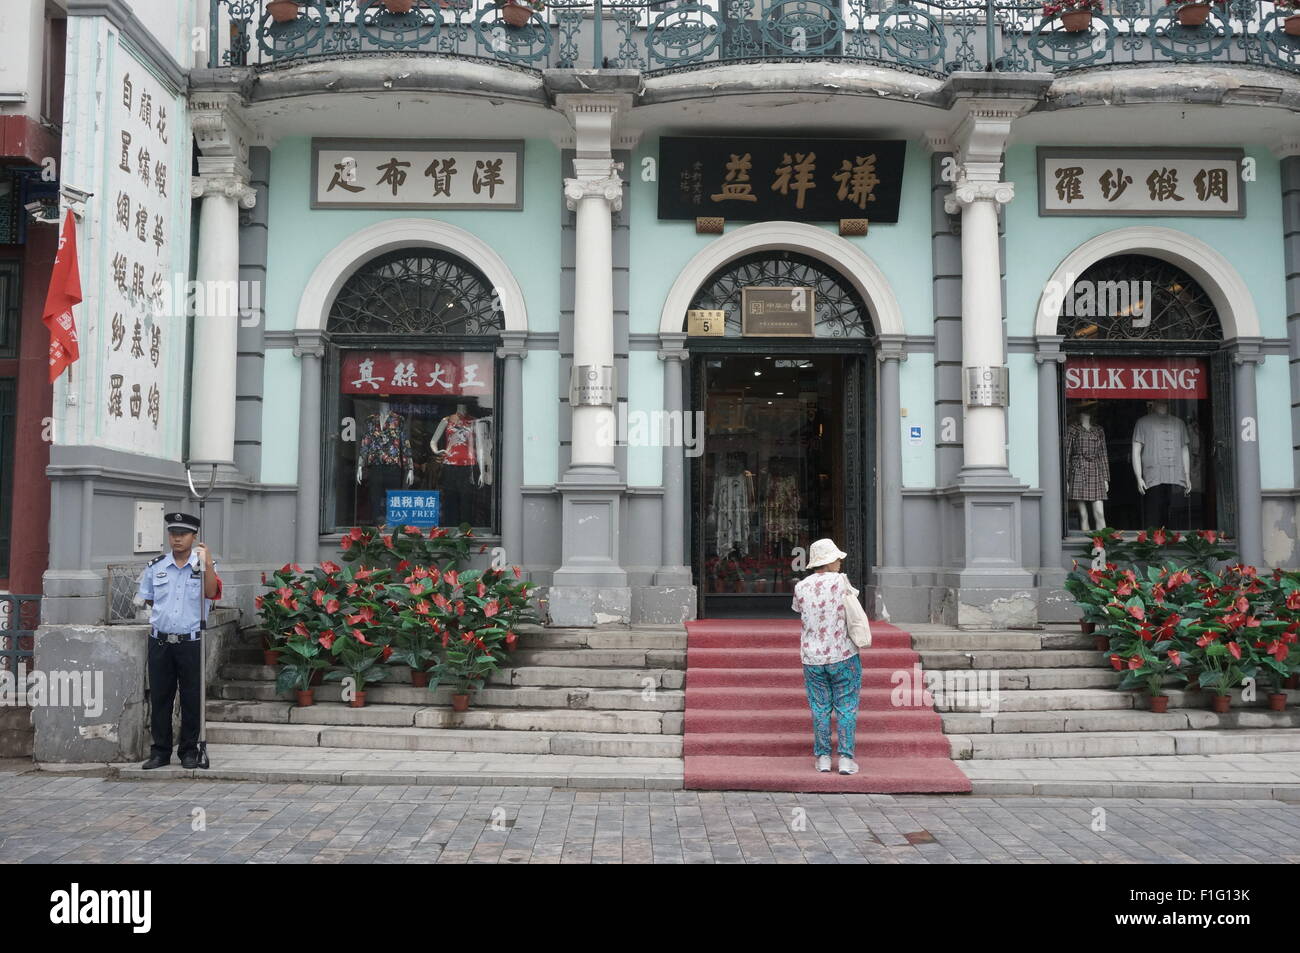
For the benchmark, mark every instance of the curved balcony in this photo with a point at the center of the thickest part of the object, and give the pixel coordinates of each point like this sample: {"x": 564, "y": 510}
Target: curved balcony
{"x": 932, "y": 37}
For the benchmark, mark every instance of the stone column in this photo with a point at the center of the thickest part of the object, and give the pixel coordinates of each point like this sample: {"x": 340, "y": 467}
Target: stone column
{"x": 1049, "y": 359}
{"x": 890, "y": 355}
{"x": 1246, "y": 356}
{"x": 309, "y": 348}
{"x": 510, "y": 468}
{"x": 673, "y": 571}
{"x": 223, "y": 185}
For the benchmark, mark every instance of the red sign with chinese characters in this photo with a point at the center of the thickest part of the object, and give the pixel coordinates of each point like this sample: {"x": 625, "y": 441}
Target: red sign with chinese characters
{"x": 1137, "y": 378}
{"x": 379, "y": 373}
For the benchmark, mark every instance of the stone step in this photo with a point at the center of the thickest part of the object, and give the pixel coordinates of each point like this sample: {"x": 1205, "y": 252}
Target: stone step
{"x": 372, "y": 737}
{"x": 1090, "y": 699}
{"x": 980, "y": 641}
{"x": 291, "y": 764}
{"x": 641, "y": 637}
{"x": 539, "y": 676}
{"x": 410, "y": 716}
{"x": 1011, "y": 659}
{"x": 1122, "y": 744}
{"x": 604, "y": 658}
{"x": 1181, "y": 719}
{"x": 509, "y": 697}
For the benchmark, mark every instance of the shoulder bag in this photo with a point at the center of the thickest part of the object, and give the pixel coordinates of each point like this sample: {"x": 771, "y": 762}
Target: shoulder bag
{"x": 855, "y": 617}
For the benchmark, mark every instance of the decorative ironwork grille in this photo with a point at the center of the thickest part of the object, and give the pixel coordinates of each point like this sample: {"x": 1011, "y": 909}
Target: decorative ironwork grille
{"x": 422, "y": 291}
{"x": 19, "y": 618}
{"x": 840, "y": 310}
{"x": 1138, "y": 298}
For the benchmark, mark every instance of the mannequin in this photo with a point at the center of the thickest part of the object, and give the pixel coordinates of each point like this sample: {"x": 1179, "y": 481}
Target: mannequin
{"x": 733, "y": 505}
{"x": 1161, "y": 461}
{"x": 462, "y": 463}
{"x": 1087, "y": 470}
{"x": 385, "y": 451}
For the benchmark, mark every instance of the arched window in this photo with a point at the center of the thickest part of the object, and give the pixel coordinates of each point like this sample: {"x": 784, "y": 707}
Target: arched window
{"x": 1138, "y": 298}
{"x": 411, "y": 424}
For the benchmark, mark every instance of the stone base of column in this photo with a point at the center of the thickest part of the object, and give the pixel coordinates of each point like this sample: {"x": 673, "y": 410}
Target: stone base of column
{"x": 664, "y": 604}
{"x": 893, "y": 595}
{"x": 673, "y": 576}
{"x": 581, "y": 607}
{"x": 968, "y": 600}
{"x": 590, "y": 587}
{"x": 1054, "y": 603}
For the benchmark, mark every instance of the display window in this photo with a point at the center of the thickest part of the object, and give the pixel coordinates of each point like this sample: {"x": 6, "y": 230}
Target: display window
{"x": 420, "y": 423}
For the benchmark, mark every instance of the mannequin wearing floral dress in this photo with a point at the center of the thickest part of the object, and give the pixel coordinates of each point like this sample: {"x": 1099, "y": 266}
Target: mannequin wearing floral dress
{"x": 733, "y": 507}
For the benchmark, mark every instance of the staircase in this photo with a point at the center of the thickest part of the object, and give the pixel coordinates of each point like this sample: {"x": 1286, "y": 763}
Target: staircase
{"x": 597, "y": 707}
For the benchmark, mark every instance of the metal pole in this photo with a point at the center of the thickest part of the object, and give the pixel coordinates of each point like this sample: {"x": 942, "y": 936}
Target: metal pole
{"x": 598, "y": 47}
{"x": 203, "y": 624}
{"x": 990, "y": 45}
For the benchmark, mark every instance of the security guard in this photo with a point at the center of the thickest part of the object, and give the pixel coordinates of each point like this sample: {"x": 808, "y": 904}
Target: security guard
{"x": 172, "y": 584}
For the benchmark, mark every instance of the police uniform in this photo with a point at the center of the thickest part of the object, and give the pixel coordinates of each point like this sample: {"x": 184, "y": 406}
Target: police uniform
{"x": 175, "y": 621}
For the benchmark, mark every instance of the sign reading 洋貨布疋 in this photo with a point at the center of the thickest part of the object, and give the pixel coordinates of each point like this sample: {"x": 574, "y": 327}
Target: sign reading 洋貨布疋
{"x": 802, "y": 180}
{"x": 417, "y": 173}
{"x": 1200, "y": 182}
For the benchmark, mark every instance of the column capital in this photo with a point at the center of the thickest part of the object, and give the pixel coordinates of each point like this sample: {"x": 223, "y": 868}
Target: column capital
{"x": 219, "y": 128}
{"x": 889, "y": 347}
{"x": 966, "y": 193}
{"x": 512, "y": 344}
{"x": 672, "y": 346}
{"x": 229, "y": 184}
{"x": 1287, "y": 147}
{"x": 1048, "y": 349}
{"x": 1246, "y": 350}
{"x": 308, "y": 342}
{"x": 594, "y": 117}
{"x": 609, "y": 188}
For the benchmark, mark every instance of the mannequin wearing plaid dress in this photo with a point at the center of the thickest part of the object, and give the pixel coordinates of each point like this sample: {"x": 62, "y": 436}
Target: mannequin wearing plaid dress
{"x": 1087, "y": 470}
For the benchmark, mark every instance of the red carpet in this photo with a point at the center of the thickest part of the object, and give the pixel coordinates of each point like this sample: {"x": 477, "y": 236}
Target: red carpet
{"x": 748, "y": 726}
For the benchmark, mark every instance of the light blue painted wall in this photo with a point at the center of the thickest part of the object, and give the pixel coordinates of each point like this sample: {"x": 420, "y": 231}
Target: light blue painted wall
{"x": 645, "y": 393}
{"x": 280, "y": 417}
{"x": 541, "y": 416}
{"x": 916, "y": 387}
{"x": 1022, "y": 418}
{"x": 1273, "y": 390}
{"x": 299, "y": 237}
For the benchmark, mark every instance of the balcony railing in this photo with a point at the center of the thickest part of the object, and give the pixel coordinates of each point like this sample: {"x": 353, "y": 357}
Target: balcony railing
{"x": 933, "y": 37}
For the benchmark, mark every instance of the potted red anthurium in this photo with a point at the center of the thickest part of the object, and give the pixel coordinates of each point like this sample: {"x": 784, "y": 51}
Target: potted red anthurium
{"x": 1150, "y": 658}
{"x": 303, "y": 655}
{"x": 368, "y": 620}
{"x": 1195, "y": 12}
{"x": 1076, "y": 15}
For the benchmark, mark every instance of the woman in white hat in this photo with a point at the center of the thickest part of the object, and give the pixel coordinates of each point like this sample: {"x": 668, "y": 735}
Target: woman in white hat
{"x": 832, "y": 669}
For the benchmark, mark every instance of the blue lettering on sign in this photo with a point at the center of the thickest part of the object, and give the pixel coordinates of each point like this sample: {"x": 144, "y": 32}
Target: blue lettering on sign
{"x": 414, "y": 507}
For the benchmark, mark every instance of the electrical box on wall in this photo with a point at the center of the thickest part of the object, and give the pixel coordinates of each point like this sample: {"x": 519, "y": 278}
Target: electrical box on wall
{"x": 148, "y": 527}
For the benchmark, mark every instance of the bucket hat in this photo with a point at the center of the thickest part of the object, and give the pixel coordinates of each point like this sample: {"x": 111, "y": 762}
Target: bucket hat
{"x": 824, "y": 551}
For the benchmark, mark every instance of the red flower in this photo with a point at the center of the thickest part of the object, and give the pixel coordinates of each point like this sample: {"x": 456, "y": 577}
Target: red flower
{"x": 332, "y": 606}
{"x": 1145, "y": 632}
{"x": 1159, "y": 537}
{"x": 1175, "y": 657}
{"x": 492, "y": 608}
{"x": 1234, "y": 650}
{"x": 450, "y": 576}
{"x": 1124, "y": 589}
{"x": 481, "y": 589}
{"x": 416, "y": 588}
{"x": 302, "y": 630}
{"x": 404, "y": 565}
{"x": 388, "y": 540}
{"x": 1209, "y": 535}
{"x": 1279, "y": 651}
{"x": 258, "y": 603}
{"x": 1137, "y": 612}
{"x": 318, "y": 597}
{"x": 356, "y": 534}
{"x": 422, "y": 607}
{"x": 264, "y": 579}
{"x": 366, "y": 615}
{"x": 445, "y": 636}
{"x": 412, "y": 531}
{"x": 363, "y": 573}
{"x": 1206, "y": 639}
{"x": 1293, "y": 599}
{"x": 1115, "y": 662}
{"x": 327, "y": 639}
{"x": 1177, "y": 579}
{"x": 352, "y": 588}
{"x": 460, "y": 607}
{"x": 1135, "y": 663}
{"x": 1243, "y": 604}
{"x": 1142, "y": 536}
{"x": 483, "y": 548}
{"x": 388, "y": 650}
{"x": 356, "y": 634}
{"x": 331, "y": 568}
{"x": 511, "y": 639}
{"x": 345, "y": 543}
{"x": 518, "y": 574}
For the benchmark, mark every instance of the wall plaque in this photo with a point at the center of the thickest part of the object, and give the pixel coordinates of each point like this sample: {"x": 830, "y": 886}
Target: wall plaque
{"x": 1200, "y": 182}
{"x": 591, "y": 385}
{"x": 777, "y": 312}
{"x": 986, "y": 386}
{"x": 417, "y": 173}
{"x": 705, "y": 322}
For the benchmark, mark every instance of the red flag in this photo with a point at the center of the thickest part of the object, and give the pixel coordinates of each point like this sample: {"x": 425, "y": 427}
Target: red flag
{"x": 65, "y": 291}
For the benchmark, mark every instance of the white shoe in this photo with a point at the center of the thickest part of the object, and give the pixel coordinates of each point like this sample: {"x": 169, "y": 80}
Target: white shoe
{"x": 847, "y": 765}
{"x": 824, "y": 763}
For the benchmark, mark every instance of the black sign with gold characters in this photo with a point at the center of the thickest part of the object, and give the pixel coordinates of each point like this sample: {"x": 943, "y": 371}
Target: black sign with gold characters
{"x": 802, "y": 180}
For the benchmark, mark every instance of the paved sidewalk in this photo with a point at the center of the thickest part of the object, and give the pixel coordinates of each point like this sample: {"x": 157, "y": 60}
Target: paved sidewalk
{"x": 68, "y": 819}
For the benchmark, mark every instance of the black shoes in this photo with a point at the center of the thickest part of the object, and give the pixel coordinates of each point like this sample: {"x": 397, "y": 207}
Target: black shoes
{"x": 155, "y": 761}
{"x": 190, "y": 761}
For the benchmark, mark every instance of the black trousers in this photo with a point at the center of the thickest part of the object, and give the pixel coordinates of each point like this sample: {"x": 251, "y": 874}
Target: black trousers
{"x": 172, "y": 664}
{"x": 1158, "y": 505}
{"x": 458, "y": 495}
{"x": 379, "y": 480}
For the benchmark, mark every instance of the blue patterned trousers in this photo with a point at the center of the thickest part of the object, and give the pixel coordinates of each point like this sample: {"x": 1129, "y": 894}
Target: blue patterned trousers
{"x": 834, "y": 686}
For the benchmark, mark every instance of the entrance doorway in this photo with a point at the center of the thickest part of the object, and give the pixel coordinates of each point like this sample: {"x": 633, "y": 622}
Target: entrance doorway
{"x": 783, "y": 464}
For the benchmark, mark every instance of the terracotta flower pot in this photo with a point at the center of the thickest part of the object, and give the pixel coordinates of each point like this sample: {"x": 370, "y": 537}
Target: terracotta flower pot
{"x": 317, "y": 676}
{"x": 1193, "y": 14}
{"x": 1101, "y": 642}
{"x": 459, "y": 702}
{"x": 283, "y": 11}
{"x": 516, "y": 14}
{"x": 1221, "y": 704}
{"x": 358, "y": 700}
{"x": 398, "y": 6}
{"x": 306, "y": 698}
{"x": 1159, "y": 704}
{"x": 1293, "y": 681}
{"x": 419, "y": 679}
{"x": 270, "y": 657}
{"x": 1076, "y": 21}
{"x": 1291, "y": 25}
{"x": 1277, "y": 701}
{"x": 1087, "y": 627}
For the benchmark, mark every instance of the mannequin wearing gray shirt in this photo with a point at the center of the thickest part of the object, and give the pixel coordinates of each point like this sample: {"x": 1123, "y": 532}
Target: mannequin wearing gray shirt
{"x": 1161, "y": 461}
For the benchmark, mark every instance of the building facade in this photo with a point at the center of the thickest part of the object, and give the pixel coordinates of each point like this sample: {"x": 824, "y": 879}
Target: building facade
{"x": 653, "y": 295}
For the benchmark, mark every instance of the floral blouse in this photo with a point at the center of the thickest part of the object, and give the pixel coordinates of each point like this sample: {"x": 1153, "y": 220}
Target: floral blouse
{"x": 819, "y": 599}
{"x": 386, "y": 443}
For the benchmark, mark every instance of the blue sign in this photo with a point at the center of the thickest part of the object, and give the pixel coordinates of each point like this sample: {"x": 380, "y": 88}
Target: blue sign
{"x": 914, "y": 435}
{"x": 419, "y": 508}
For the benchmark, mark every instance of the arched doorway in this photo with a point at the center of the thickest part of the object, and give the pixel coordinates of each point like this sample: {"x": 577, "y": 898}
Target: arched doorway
{"x": 788, "y": 454}
{"x": 412, "y": 393}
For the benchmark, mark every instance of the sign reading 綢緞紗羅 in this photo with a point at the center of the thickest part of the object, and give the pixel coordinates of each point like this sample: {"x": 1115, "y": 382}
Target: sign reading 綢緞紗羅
{"x": 800, "y": 180}
{"x": 1200, "y": 182}
{"x": 417, "y": 173}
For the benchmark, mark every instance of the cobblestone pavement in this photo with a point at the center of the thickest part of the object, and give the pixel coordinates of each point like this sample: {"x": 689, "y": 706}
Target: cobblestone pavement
{"x": 50, "y": 818}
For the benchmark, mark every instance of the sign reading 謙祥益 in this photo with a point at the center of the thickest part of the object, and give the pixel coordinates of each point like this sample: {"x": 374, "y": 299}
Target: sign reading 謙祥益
{"x": 417, "y": 173}
{"x": 1202, "y": 182}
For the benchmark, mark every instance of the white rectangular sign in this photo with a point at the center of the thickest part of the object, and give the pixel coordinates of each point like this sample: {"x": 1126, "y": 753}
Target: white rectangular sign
{"x": 1200, "y": 182}
{"x": 417, "y": 173}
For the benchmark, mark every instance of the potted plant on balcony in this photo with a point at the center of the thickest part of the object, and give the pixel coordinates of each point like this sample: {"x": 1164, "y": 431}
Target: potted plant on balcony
{"x": 517, "y": 13}
{"x": 398, "y": 7}
{"x": 1194, "y": 12}
{"x": 1076, "y": 15}
{"x": 1290, "y": 23}
{"x": 283, "y": 11}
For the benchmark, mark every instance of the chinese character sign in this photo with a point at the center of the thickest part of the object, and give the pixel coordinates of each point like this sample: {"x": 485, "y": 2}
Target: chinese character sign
{"x": 806, "y": 180}
{"x": 417, "y": 173}
{"x": 1201, "y": 182}
{"x": 140, "y": 328}
{"x": 381, "y": 373}
{"x": 414, "y": 507}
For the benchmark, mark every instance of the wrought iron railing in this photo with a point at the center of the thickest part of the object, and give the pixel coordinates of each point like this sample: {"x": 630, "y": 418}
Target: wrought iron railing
{"x": 20, "y": 616}
{"x": 934, "y": 37}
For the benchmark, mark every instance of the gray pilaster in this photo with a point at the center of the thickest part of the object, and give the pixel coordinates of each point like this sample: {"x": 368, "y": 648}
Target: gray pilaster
{"x": 310, "y": 349}
{"x": 250, "y": 358}
{"x": 1049, "y": 359}
{"x": 1290, "y": 169}
{"x": 512, "y": 446}
{"x": 1246, "y": 356}
{"x": 673, "y": 570}
{"x": 945, "y": 246}
{"x": 890, "y": 355}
